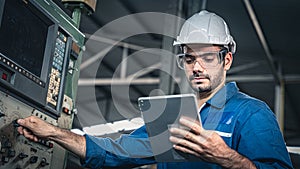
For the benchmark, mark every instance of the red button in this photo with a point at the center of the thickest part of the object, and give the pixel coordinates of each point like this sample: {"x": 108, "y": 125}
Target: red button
{"x": 4, "y": 76}
{"x": 65, "y": 110}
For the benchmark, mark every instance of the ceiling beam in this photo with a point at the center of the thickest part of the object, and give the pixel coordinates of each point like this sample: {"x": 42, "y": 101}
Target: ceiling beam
{"x": 145, "y": 71}
{"x": 204, "y": 4}
{"x": 288, "y": 79}
{"x": 277, "y": 76}
{"x": 118, "y": 81}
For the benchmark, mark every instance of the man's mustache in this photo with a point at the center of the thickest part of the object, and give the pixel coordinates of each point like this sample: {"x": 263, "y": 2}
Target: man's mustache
{"x": 194, "y": 75}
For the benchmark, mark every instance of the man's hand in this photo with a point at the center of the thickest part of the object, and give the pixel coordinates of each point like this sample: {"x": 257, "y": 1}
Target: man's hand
{"x": 34, "y": 128}
{"x": 206, "y": 144}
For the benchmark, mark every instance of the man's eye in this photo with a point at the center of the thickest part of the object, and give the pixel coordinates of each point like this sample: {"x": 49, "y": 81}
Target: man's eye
{"x": 208, "y": 58}
{"x": 189, "y": 60}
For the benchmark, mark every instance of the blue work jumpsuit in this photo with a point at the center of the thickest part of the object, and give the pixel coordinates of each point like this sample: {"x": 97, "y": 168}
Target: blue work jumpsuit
{"x": 246, "y": 124}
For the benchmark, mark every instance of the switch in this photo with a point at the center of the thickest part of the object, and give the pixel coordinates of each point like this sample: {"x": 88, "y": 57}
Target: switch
{"x": 22, "y": 155}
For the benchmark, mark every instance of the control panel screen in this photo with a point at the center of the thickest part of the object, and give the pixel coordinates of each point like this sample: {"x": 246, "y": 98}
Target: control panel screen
{"x": 23, "y": 35}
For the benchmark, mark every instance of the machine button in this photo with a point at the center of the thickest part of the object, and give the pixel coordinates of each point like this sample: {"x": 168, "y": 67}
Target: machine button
{"x": 66, "y": 110}
{"x": 50, "y": 145}
{"x": 11, "y": 153}
{"x": 5, "y": 159}
{"x": 7, "y": 144}
{"x": 3, "y": 150}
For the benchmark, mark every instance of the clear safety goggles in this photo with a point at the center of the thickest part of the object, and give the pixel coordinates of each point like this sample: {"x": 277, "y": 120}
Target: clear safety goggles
{"x": 205, "y": 59}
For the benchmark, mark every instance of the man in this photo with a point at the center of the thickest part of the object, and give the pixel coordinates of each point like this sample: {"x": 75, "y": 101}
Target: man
{"x": 237, "y": 131}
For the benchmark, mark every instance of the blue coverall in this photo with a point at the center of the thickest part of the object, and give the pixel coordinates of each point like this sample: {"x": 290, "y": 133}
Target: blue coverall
{"x": 248, "y": 126}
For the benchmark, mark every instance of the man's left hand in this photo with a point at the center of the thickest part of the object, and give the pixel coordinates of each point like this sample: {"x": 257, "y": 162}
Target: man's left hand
{"x": 205, "y": 144}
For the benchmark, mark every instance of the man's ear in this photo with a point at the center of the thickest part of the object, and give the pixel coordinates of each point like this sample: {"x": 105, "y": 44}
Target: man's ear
{"x": 228, "y": 61}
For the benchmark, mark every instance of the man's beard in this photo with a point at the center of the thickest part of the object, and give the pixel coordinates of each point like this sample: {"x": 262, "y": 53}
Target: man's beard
{"x": 214, "y": 81}
{"x": 195, "y": 86}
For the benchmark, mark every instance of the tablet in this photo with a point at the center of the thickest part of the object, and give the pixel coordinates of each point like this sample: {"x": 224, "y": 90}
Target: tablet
{"x": 161, "y": 112}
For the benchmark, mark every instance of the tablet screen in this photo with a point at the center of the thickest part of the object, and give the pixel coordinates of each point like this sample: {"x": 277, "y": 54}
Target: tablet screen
{"x": 161, "y": 112}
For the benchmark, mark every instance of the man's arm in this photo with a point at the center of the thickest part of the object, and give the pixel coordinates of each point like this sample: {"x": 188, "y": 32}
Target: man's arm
{"x": 34, "y": 128}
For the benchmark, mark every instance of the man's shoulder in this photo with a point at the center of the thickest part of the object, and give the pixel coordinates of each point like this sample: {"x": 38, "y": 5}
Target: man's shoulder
{"x": 246, "y": 101}
{"x": 250, "y": 110}
{"x": 239, "y": 98}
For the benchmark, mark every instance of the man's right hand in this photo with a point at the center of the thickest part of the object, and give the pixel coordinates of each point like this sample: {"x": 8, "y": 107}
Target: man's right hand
{"x": 34, "y": 128}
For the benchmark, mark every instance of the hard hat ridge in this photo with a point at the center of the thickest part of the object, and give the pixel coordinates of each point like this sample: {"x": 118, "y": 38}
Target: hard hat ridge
{"x": 206, "y": 28}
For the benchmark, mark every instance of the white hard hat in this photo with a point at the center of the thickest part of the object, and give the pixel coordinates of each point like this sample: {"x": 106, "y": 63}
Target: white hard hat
{"x": 206, "y": 28}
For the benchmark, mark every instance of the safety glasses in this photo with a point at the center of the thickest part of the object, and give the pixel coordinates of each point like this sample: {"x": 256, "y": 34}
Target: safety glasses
{"x": 205, "y": 59}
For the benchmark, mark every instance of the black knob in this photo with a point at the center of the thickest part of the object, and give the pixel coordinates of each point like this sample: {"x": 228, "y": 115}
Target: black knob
{"x": 33, "y": 159}
{"x": 15, "y": 123}
{"x": 1, "y": 114}
{"x": 44, "y": 162}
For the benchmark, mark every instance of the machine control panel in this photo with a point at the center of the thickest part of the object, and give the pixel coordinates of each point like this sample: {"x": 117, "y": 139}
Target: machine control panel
{"x": 15, "y": 150}
{"x": 39, "y": 70}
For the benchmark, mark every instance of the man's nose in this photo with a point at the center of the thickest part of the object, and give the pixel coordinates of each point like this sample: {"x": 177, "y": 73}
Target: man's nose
{"x": 198, "y": 67}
